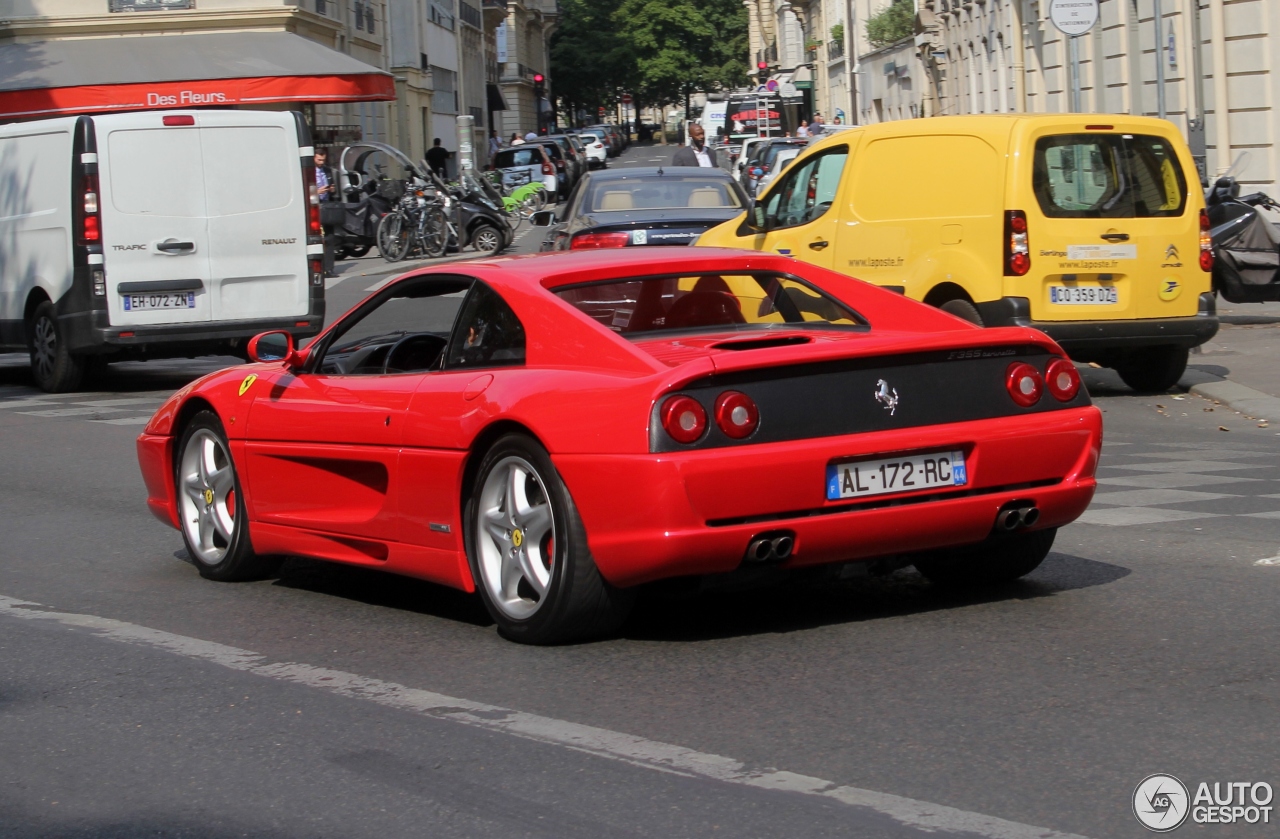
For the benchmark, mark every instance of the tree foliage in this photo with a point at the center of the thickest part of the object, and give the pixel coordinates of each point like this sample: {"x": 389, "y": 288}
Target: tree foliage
{"x": 658, "y": 50}
{"x": 892, "y": 23}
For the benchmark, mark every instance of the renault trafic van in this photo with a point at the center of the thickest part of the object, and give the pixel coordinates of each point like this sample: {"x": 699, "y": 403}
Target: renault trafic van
{"x": 1088, "y": 227}
{"x": 153, "y": 235}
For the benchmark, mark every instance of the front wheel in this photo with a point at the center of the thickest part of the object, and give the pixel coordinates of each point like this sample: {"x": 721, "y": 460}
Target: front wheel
{"x": 211, "y": 505}
{"x": 528, "y": 551}
{"x": 486, "y": 238}
{"x": 435, "y": 233}
{"x": 1153, "y": 369}
{"x": 393, "y": 237}
{"x": 1001, "y": 559}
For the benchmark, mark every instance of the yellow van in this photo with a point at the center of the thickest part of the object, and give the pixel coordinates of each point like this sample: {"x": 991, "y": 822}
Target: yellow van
{"x": 1089, "y": 227}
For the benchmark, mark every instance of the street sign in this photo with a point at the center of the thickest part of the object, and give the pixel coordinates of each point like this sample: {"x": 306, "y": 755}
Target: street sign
{"x": 772, "y": 85}
{"x": 1073, "y": 17}
{"x": 626, "y": 98}
{"x": 602, "y": 110}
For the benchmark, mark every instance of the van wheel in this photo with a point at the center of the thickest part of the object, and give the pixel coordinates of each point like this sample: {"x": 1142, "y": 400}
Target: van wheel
{"x": 964, "y": 310}
{"x": 1153, "y": 369}
{"x": 55, "y": 369}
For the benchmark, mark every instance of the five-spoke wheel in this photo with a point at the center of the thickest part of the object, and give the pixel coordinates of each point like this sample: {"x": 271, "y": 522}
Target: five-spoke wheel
{"x": 515, "y": 537}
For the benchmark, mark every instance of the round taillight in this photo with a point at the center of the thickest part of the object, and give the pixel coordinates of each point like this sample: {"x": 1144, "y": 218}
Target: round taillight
{"x": 1023, "y": 383}
{"x": 1206, "y": 260}
{"x": 1062, "y": 379}
{"x": 1018, "y": 224}
{"x": 736, "y": 414}
{"x": 1020, "y": 263}
{"x": 684, "y": 419}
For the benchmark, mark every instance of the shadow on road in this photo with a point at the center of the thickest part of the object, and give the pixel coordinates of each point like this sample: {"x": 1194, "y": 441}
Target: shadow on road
{"x": 124, "y": 376}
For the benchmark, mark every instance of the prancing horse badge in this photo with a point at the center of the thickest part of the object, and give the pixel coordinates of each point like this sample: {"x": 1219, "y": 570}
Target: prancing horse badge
{"x": 886, "y": 396}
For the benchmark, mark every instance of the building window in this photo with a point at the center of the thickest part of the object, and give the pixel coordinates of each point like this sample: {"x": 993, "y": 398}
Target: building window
{"x": 478, "y": 115}
{"x": 425, "y": 65}
{"x": 322, "y": 7}
{"x": 438, "y": 15}
{"x": 445, "y": 84}
{"x": 150, "y": 5}
{"x": 470, "y": 15}
{"x": 364, "y": 17}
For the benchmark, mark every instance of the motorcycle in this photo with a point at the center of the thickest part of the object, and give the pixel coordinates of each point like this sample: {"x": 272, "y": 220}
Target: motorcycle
{"x": 368, "y": 194}
{"x": 476, "y": 214}
{"x": 1246, "y": 268}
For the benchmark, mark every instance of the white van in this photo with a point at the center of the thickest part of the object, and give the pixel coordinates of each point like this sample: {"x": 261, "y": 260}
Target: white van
{"x": 155, "y": 235}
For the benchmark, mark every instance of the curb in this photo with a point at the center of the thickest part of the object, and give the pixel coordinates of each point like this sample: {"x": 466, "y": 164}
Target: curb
{"x": 1248, "y": 320}
{"x": 1254, "y": 404}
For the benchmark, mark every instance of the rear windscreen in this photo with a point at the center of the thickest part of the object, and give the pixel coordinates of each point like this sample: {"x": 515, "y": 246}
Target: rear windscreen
{"x": 1108, "y": 176}
{"x": 708, "y": 302}
{"x": 508, "y": 158}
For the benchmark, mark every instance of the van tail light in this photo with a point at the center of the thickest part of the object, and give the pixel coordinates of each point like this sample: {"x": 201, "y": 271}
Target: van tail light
{"x": 1206, "y": 243}
{"x": 1017, "y": 248}
{"x": 591, "y": 241}
{"x": 1062, "y": 379}
{"x": 1023, "y": 383}
{"x": 736, "y": 414}
{"x": 316, "y": 264}
{"x": 91, "y": 226}
{"x": 314, "y": 228}
{"x": 547, "y": 168}
{"x": 683, "y": 418}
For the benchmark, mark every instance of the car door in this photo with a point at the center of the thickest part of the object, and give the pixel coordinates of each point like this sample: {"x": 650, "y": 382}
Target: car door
{"x": 324, "y": 442}
{"x": 154, "y": 223}
{"x": 801, "y": 214}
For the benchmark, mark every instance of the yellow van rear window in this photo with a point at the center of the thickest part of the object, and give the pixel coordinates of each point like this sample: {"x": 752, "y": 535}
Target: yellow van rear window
{"x": 1108, "y": 176}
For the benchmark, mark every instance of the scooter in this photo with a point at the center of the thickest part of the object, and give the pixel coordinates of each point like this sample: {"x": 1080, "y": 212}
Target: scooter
{"x": 368, "y": 194}
{"x": 1246, "y": 268}
{"x": 476, "y": 215}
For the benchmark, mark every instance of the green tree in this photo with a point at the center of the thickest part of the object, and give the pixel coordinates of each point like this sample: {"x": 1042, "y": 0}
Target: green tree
{"x": 892, "y": 23}
{"x": 590, "y": 65}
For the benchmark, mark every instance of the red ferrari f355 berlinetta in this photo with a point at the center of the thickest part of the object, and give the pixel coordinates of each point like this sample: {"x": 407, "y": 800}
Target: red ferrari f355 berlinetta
{"x": 556, "y": 430}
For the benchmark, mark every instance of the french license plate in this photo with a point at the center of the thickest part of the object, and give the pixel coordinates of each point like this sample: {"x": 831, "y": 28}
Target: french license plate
{"x": 862, "y": 478}
{"x": 1089, "y": 295}
{"x": 176, "y": 300}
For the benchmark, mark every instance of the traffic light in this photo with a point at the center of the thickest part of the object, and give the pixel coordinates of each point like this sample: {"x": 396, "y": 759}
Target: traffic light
{"x": 539, "y": 89}
{"x": 762, "y": 71}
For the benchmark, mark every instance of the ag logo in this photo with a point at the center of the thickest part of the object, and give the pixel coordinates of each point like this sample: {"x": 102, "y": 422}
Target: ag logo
{"x": 248, "y": 382}
{"x": 1169, "y": 289}
{"x": 1161, "y": 803}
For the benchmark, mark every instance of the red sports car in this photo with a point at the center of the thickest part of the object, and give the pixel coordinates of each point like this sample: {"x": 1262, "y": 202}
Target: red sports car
{"x": 556, "y": 430}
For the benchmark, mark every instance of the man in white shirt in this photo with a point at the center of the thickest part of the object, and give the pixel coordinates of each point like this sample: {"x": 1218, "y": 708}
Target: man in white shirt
{"x": 697, "y": 153}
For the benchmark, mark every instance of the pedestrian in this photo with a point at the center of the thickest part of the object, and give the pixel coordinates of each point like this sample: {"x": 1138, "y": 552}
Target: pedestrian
{"x": 697, "y": 153}
{"x": 530, "y": 137}
{"x": 817, "y": 127}
{"x": 839, "y": 121}
{"x": 327, "y": 190}
{"x": 438, "y": 159}
{"x": 516, "y": 139}
{"x": 803, "y": 130}
{"x": 495, "y": 145}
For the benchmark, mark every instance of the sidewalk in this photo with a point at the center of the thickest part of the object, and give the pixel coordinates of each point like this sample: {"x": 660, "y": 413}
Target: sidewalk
{"x": 1240, "y": 367}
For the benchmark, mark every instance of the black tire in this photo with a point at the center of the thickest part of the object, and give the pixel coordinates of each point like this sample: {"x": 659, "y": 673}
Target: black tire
{"x": 577, "y": 602}
{"x": 964, "y": 310}
{"x": 1001, "y": 559}
{"x": 487, "y": 238}
{"x": 435, "y": 233}
{"x": 356, "y": 253}
{"x": 1153, "y": 369}
{"x": 53, "y": 366}
{"x": 203, "y": 487}
{"x": 393, "y": 237}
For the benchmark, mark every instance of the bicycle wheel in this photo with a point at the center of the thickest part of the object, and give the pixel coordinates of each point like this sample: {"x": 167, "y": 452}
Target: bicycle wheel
{"x": 532, "y": 203}
{"x": 393, "y": 237}
{"x": 434, "y": 237}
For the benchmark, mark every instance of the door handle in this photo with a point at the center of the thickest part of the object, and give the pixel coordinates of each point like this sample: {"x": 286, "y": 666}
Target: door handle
{"x": 170, "y": 247}
{"x": 1116, "y": 237}
{"x": 819, "y": 244}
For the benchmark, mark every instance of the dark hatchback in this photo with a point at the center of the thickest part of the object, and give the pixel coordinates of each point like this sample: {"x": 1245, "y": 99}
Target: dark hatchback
{"x": 642, "y": 206}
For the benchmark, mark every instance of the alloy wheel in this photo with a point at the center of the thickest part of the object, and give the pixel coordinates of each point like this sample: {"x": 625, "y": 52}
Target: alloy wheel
{"x": 44, "y": 348}
{"x": 207, "y": 496}
{"x": 515, "y": 537}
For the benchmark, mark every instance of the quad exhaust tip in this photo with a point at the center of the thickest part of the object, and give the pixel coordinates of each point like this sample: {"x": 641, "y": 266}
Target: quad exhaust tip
{"x": 1016, "y": 515}
{"x": 774, "y": 546}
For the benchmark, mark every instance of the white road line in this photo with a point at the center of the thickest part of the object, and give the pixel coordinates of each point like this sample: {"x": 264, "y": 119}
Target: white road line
{"x": 72, "y": 412}
{"x": 125, "y": 421}
{"x": 613, "y": 745}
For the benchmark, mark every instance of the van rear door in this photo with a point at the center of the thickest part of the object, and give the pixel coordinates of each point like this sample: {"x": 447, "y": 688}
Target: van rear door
{"x": 154, "y": 231}
{"x": 257, "y": 215}
{"x": 1114, "y": 232}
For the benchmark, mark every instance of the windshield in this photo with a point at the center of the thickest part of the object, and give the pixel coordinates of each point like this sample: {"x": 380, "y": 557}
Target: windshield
{"x": 508, "y": 158}
{"x": 641, "y": 307}
{"x": 660, "y": 192}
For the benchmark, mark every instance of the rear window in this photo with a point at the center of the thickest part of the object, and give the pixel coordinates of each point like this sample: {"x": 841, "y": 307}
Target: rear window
{"x": 508, "y": 158}
{"x": 1108, "y": 176}
{"x": 661, "y": 192}
{"x": 708, "y": 303}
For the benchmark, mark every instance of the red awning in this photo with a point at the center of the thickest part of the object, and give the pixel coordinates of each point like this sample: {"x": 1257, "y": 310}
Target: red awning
{"x": 128, "y": 73}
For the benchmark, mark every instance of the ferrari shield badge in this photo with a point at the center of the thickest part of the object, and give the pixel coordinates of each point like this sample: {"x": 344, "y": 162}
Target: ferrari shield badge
{"x": 886, "y": 396}
{"x": 248, "y": 382}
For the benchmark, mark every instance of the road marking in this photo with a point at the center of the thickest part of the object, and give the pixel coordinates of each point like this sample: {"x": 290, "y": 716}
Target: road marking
{"x": 600, "y": 742}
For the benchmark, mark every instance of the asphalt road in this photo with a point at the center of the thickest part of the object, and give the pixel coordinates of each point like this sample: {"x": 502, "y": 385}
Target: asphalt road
{"x": 137, "y": 699}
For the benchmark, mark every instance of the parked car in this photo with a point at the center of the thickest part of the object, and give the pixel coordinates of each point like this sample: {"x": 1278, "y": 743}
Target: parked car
{"x": 576, "y": 164}
{"x": 155, "y": 234}
{"x": 581, "y": 424}
{"x": 781, "y": 160}
{"x": 563, "y": 163}
{"x": 1092, "y": 230}
{"x": 642, "y": 206}
{"x": 597, "y": 152}
{"x": 527, "y": 163}
{"x": 614, "y": 139}
{"x": 762, "y": 161}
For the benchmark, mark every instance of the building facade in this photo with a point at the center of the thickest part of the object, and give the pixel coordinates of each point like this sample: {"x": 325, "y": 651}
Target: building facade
{"x": 524, "y": 51}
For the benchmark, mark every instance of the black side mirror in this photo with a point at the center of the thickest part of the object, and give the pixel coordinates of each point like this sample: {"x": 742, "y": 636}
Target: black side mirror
{"x": 543, "y": 218}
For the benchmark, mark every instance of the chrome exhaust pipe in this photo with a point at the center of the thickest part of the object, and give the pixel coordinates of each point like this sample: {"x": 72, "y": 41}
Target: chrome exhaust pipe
{"x": 1009, "y": 520}
{"x": 760, "y": 550}
{"x": 782, "y": 546}
{"x": 1030, "y": 516}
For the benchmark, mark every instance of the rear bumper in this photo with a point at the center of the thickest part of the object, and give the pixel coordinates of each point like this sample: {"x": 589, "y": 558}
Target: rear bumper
{"x": 1083, "y": 337}
{"x": 662, "y": 515}
{"x": 89, "y": 333}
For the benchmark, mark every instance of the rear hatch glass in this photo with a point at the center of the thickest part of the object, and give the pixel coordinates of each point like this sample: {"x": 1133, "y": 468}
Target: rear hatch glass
{"x": 508, "y": 158}
{"x": 1107, "y": 176}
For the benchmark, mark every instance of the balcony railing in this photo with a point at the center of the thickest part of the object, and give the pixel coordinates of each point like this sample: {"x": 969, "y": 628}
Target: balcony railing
{"x": 470, "y": 15}
{"x": 835, "y": 49}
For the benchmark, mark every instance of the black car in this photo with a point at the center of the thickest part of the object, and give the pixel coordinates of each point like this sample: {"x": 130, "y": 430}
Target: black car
{"x": 642, "y": 206}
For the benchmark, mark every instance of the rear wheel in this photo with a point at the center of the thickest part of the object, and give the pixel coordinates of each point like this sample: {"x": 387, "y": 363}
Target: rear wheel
{"x": 998, "y": 560}
{"x": 1153, "y": 369}
{"x": 55, "y": 369}
{"x": 435, "y": 233}
{"x": 393, "y": 237}
{"x": 211, "y": 506}
{"x": 964, "y": 310}
{"x": 528, "y": 551}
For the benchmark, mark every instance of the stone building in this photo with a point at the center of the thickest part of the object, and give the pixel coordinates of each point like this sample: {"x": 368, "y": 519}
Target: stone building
{"x": 523, "y": 47}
